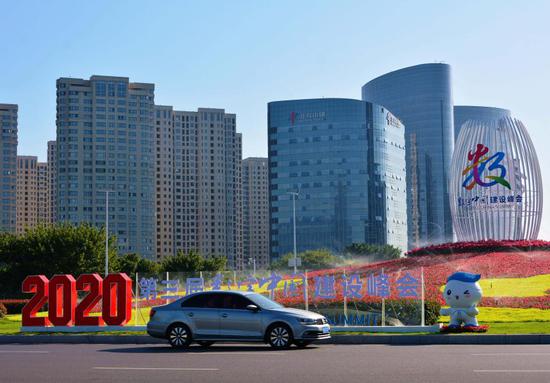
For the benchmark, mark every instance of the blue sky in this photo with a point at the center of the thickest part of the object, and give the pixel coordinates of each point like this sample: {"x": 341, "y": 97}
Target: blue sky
{"x": 239, "y": 55}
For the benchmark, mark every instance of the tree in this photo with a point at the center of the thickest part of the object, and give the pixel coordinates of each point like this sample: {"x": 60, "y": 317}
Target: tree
{"x": 373, "y": 251}
{"x": 52, "y": 249}
{"x": 133, "y": 263}
{"x": 191, "y": 262}
{"x": 311, "y": 260}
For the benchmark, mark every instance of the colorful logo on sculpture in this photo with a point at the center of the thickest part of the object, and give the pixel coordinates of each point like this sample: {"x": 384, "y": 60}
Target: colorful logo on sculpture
{"x": 481, "y": 164}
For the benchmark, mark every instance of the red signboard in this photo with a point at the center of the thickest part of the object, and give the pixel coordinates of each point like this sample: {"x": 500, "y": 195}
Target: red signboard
{"x": 115, "y": 292}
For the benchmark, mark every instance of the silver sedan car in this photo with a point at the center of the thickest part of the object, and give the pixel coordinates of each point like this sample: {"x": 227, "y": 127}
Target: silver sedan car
{"x": 213, "y": 316}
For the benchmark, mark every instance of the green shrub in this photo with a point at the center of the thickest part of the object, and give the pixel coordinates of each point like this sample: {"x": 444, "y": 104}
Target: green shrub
{"x": 405, "y": 310}
{"x": 3, "y": 310}
{"x": 14, "y": 307}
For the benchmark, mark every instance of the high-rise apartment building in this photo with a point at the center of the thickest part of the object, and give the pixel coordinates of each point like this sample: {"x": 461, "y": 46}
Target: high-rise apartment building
{"x": 344, "y": 163}
{"x": 198, "y": 189}
{"x": 8, "y": 167}
{"x": 52, "y": 174}
{"x": 421, "y": 97}
{"x": 43, "y": 197}
{"x": 27, "y": 193}
{"x": 255, "y": 191}
{"x": 106, "y": 144}
{"x": 33, "y": 193}
{"x": 164, "y": 172}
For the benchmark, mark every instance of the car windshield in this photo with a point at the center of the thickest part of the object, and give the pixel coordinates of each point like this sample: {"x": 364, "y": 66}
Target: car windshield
{"x": 263, "y": 302}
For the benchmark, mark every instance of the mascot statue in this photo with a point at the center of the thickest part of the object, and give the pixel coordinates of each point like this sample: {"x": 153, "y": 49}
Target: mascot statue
{"x": 462, "y": 293}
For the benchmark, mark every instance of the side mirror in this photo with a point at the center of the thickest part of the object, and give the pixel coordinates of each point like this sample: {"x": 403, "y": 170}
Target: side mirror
{"x": 253, "y": 308}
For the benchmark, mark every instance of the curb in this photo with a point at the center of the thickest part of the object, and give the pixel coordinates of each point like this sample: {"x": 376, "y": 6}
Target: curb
{"x": 394, "y": 340}
{"x": 440, "y": 339}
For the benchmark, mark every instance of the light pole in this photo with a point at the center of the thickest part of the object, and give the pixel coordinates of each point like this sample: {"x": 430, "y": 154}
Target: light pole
{"x": 253, "y": 261}
{"x": 294, "y": 196}
{"x": 106, "y": 231}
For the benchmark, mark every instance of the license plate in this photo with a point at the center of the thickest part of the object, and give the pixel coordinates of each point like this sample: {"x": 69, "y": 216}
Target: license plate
{"x": 326, "y": 330}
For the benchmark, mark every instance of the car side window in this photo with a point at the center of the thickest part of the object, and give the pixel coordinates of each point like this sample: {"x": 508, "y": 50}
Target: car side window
{"x": 235, "y": 302}
{"x": 212, "y": 301}
{"x": 195, "y": 301}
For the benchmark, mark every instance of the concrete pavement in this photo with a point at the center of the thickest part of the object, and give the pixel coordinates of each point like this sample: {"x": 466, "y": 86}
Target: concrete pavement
{"x": 259, "y": 364}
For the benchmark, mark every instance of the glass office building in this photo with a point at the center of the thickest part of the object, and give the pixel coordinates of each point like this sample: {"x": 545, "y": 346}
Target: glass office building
{"x": 465, "y": 113}
{"x": 421, "y": 97}
{"x": 346, "y": 160}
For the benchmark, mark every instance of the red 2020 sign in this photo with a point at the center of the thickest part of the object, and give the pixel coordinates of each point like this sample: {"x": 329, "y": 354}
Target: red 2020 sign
{"x": 115, "y": 292}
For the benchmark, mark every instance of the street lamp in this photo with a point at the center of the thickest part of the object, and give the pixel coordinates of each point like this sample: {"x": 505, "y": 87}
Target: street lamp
{"x": 252, "y": 261}
{"x": 106, "y": 230}
{"x": 294, "y": 196}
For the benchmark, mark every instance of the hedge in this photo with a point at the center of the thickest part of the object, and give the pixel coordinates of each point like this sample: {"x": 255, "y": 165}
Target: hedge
{"x": 406, "y": 310}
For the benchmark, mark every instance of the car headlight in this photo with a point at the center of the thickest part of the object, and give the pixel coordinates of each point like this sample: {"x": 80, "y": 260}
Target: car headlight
{"x": 307, "y": 321}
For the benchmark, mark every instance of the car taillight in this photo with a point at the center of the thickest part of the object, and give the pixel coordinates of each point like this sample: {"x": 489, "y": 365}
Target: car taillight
{"x": 152, "y": 313}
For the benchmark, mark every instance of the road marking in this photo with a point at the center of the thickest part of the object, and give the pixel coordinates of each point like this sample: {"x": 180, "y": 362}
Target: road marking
{"x": 512, "y": 354}
{"x": 157, "y": 368}
{"x": 506, "y": 371}
{"x": 229, "y": 353}
{"x": 23, "y": 352}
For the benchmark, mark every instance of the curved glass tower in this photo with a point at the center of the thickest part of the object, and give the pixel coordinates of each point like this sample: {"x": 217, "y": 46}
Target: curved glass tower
{"x": 345, "y": 159}
{"x": 421, "y": 97}
{"x": 464, "y": 113}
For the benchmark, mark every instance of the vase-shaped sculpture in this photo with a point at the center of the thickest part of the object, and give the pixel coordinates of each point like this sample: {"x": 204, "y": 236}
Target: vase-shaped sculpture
{"x": 495, "y": 182}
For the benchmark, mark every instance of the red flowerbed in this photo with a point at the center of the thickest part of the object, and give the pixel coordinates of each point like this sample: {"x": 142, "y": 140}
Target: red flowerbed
{"x": 480, "y": 246}
{"x": 516, "y": 264}
{"x": 8, "y": 301}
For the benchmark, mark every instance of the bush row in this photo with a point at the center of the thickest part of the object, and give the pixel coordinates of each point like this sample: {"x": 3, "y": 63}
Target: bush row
{"x": 406, "y": 310}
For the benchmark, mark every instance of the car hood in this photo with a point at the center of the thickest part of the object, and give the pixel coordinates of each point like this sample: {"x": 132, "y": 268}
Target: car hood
{"x": 298, "y": 312}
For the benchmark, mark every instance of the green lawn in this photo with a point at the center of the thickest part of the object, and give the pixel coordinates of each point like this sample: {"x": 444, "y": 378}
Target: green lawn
{"x": 535, "y": 286}
{"x": 9, "y": 326}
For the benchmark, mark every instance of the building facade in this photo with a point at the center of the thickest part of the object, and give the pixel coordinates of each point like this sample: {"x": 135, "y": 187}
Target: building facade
{"x": 33, "y": 193}
{"x": 164, "y": 194}
{"x": 52, "y": 174}
{"x": 496, "y": 183}
{"x": 106, "y": 143}
{"x": 421, "y": 97}
{"x": 43, "y": 197}
{"x": 255, "y": 191}
{"x": 27, "y": 193}
{"x": 465, "y": 113}
{"x": 8, "y": 167}
{"x": 198, "y": 183}
{"x": 346, "y": 160}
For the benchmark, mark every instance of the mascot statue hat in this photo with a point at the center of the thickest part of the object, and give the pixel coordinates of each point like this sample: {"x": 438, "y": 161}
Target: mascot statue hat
{"x": 462, "y": 276}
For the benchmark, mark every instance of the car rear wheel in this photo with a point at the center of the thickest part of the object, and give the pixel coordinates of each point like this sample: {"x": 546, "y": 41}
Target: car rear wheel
{"x": 302, "y": 343}
{"x": 279, "y": 336}
{"x": 179, "y": 336}
{"x": 205, "y": 343}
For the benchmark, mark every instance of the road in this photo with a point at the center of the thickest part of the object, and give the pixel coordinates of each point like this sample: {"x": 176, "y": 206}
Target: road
{"x": 259, "y": 364}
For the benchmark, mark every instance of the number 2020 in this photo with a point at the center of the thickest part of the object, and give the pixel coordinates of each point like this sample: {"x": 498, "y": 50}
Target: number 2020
{"x": 115, "y": 292}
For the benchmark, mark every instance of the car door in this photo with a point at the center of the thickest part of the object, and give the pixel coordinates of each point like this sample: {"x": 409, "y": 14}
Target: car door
{"x": 236, "y": 322}
{"x": 202, "y": 313}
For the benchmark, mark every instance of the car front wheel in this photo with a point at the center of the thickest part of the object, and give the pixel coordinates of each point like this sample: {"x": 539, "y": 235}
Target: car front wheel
{"x": 279, "y": 336}
{"x": 179, "y": 336}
